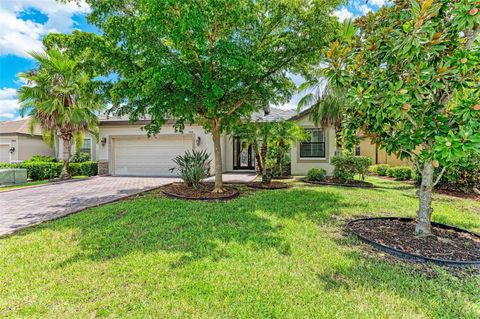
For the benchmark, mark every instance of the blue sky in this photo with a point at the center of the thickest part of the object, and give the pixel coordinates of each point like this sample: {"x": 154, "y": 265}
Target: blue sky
{"x": 23, "y": 23}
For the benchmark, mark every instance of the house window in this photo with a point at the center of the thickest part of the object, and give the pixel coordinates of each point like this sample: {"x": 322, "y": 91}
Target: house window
{"x": 87, "y": 147}
{"x": 357, "y": 150}
{"x": 315, "y": 148}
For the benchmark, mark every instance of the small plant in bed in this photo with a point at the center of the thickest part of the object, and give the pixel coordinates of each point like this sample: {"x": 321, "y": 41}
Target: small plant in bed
{"x": 193, "y": 167}
{"x": 346, "y": 168}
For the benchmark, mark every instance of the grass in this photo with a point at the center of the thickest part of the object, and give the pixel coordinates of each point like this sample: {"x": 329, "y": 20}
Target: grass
{"x": 269, "y": 254}
{"x": 34, "y": 183}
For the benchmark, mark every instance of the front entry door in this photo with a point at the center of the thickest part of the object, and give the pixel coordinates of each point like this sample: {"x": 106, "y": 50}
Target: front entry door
{"x": 242, "y": 154}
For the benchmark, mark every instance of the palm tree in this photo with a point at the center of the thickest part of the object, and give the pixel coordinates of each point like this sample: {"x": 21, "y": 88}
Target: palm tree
{"x": 326, "y": 100}
{"x": 59, "y": 97}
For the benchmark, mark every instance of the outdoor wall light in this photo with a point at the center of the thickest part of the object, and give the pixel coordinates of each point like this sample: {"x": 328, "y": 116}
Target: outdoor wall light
{"x": 103, "y": 141}
{"x": 11, "y": 150}
{"x": 198, "y": 140}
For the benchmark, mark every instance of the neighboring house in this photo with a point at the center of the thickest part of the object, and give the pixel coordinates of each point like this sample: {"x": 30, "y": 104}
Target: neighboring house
{"x": 124, "y": 149}
{"x": 17, "y": 144}
{"x": 378, "y": 156}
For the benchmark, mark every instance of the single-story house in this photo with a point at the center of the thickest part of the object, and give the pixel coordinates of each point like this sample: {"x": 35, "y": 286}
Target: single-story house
{"x": 123, "y": 148}
{"x": 17, "y": 144}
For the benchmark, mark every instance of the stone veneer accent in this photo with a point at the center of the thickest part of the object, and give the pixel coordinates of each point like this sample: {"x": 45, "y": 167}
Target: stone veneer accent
{"x": 103, "y": 168}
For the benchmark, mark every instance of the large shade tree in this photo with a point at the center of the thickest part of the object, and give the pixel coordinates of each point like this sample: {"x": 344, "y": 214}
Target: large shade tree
{"x": 413, "y": 73}
{"x": 59, "y": 98}
{"x": 209, "y": 62}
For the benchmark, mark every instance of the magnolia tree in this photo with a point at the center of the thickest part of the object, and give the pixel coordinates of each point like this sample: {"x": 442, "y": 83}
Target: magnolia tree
{"x": 413, "y": 72}
{"x": 209, "y": 62}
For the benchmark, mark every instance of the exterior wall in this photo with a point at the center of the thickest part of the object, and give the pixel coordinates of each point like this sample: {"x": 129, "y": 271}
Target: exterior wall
{"x": 380, "y": 157}
{"x": 300, "y": 166}
{"x": 26, "y": 146}
{"x": 33, "y": 145}
{"x": 110, "y": 131}
{"x": 59, "y": 147}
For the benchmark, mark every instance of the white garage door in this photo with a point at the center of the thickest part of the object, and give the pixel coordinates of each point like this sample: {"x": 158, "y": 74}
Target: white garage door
{"x": 4, "y": 153}
{"x": 142, "y": 156}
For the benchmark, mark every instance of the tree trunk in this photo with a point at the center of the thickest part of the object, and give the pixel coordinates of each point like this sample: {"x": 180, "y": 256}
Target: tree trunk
{"x": 263, "y": 154}
{"x": 218, "y": 158}
{"x": 65, "y": 174}
{"x": 423, "y": 227}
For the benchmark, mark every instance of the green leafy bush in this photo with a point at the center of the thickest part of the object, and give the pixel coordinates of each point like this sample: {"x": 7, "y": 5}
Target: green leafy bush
{"x": 390, "y": 172}
{"x": 380, "y": 169}
{"x": 346, "y": 166}
{"x": 88, "y": 168}
{"x": 8, "y": 165}
{"x": 80, "y": 158}
{"x": 402, "y": 173}
{"x": 41, "y": 170}
{"x": 193, "y": 167}
{"x": 316, "y": 174}
{"x": 41, "y": 158}
{"x": 462, "y": 177}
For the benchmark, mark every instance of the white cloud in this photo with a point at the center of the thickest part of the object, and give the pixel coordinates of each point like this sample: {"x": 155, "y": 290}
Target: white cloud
{"x": 343, "y": 14}
{"x": 364, "y": 9}
{"x": 8, "y": 103}
{"x": 377, "y": 3}
{"x": 18, "y": 36}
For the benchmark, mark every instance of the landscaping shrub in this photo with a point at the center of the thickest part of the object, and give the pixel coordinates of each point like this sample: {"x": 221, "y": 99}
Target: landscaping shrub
{"x": 193, "y": 167}
{"x": 88, "y": 168}
{"x": 80, "y": 158}
{"x": 8, "y": 165}
{"x": 462, "y": 177}
{"x": 346, "y": 166}
{"x": 390, "y": 172}
{"x": 41, "y": 170}
{"x": 380, "y": 169}
{"x": 41, "y": 158}
{"x": 402, "y": 173}
{"x": 316, "y": 174}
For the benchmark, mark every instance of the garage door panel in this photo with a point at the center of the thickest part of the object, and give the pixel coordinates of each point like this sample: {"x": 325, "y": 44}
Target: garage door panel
{"x": 149, "y": 156}
{"x": 5, "y": 153}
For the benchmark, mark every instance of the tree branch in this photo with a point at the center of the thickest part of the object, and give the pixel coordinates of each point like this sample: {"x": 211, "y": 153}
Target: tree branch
{"x": 439, "y": 176}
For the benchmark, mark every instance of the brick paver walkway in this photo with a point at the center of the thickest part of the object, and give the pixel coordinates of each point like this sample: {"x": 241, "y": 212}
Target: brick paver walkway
{"x": 29, "y": 206}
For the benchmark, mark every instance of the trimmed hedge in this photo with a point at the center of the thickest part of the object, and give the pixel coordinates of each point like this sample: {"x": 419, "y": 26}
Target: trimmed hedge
{"x": 380, "y": 169}
{"x": 48, "y": 170}
{"x": 402, "y": 173}
{"x": 346, "y": 166}
{"x": 316, "y": 174}
{"x": 41, "y": 170}
{"x": 88, "y": 168}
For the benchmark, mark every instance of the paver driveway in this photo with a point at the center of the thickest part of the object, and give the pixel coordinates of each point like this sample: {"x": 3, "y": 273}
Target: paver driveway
{"x": 25, "y": 207}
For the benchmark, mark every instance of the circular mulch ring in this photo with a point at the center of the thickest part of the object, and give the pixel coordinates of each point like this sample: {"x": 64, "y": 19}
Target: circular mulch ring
{"x": 271, "y": 185}
{"x": 282, "y": 177}
{"x": 204, "y": 192}
{"x": 333, "y": 182}
{"x": 450, "y": 246}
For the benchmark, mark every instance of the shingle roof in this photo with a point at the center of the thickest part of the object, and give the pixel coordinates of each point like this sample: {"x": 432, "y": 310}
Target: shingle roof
{"x": 18, "y": 127}
{"x": 275, "y": 114}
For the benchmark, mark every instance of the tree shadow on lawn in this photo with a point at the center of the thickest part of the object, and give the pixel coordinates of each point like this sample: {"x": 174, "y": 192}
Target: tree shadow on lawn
{"x": 439, "y": 292}
{"x": 198, "y": 230}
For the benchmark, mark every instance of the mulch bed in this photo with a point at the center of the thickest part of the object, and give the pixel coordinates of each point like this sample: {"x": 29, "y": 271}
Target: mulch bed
{"x": 335, "y": 182}
{"x": 204, "y": 192}
{"x": 271, "y": 185}
{"x": 282, "y": 177}
{"x": 457, "y": 194}
{"x": 448, "y": 243}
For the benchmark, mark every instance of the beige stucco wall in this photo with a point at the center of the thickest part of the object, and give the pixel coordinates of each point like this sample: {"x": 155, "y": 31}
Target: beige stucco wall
{"x": 300, "y": 166}
{"x": 26, "y": 146}
{"x": 368, "y": 149}
{"x": 103, "y": 152}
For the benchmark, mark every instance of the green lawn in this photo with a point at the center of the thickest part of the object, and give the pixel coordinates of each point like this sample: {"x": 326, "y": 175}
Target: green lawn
{"x": 268, "y": 254}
